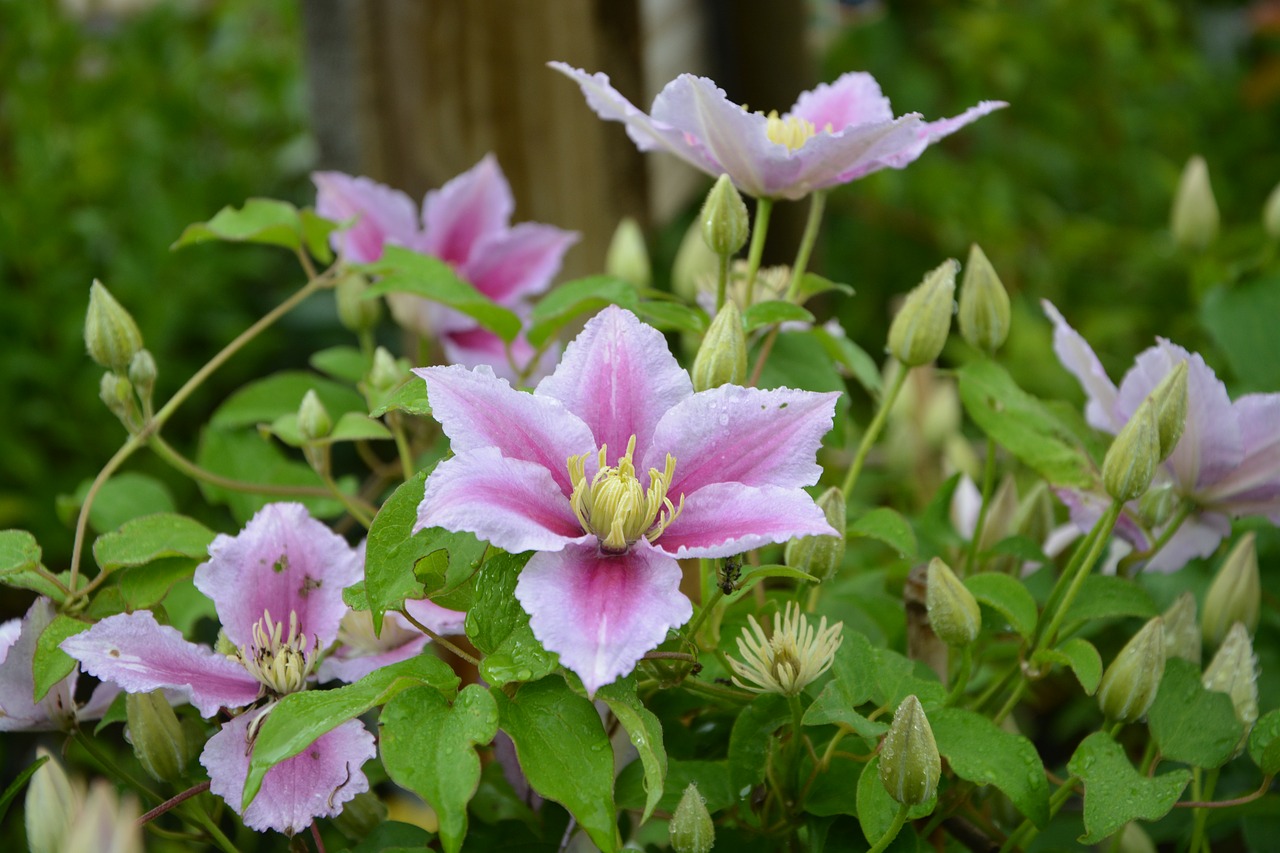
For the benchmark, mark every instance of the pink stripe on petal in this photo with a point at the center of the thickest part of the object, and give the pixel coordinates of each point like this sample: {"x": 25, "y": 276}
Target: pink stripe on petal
{"x": 517, "y": 263}
{"x": 470, "y": 206}
{"x": 139, "y": 654}
{"x": 853, "y": 99}
{"x": 1078, "y": 358}
{"x": 602, "y": 613}
{"x": 382, "y": 215}
{"x": 728, "y": 518}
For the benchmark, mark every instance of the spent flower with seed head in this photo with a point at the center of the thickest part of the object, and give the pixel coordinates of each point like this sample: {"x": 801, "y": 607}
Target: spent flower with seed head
{"x": 788, "y": 660}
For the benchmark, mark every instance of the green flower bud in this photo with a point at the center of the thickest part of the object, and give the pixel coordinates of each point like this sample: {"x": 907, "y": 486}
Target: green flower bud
{"x": 722, "y": 358}
{"x": 51, "y": 804}
{"x": 1195, "y": 213}
{"x": 953, "y": 611}
{"x": 691, "y": 828}
{"x": 821, "y": 556}
{"x": 628, "y": 257}
{"x": 1131, "y": 461}
{"x": 909, "y": 762}
{"x": 694, "y": 262}
{"x": 1170, "y": 398}
{"x": 110, "y": 334}
{"x": 1158, "y": 505}
{"x": 1234, "y": 671}
{"x": 116, "y": 393}
{"x": 1182, "y": 630}
{"x": 156, "y": 735}
{"x": 1134, "y": 839}
{"x": 313, "y": 419}
{"x": 725, "y": 225}
{"x": 1129, "y": 685}
{"x": 1271, "y": 214}
{"x": 108, "y": 823}
{"x": 142, "y": 373}
{"x": 984, "y": 304}
{"x": 361, "y": 815}
{"x": 1235, "y": 594}
{"x": 920, "y": 329}
{"x": 386, "y": 373}
{"x": 356, "y": 313}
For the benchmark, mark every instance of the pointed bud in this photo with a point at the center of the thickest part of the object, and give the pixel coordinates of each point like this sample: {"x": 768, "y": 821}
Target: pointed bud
{"x": 1195, "y": 213}
{"x": 1134, "y": 839}
{"x": 386, "y": 373}
{"x": 909, "y": 762}
{"x": 1271, "y": 214}
{"x": 725, "y": 225}
{"x": 116, "y": 393}
{"x": 821, "y": 556}
{"x": 984, "y": 304}
{"x": 694, "y": 262}
{"x": 313, "y": 419}
{"x": 722, "y": 358}
{"x": 356, "y": 313}
{"x": 1131, "y": 461}
{"x": 628, "y": 257}
{"x": 52, "y": 804}
{"x": 110, "y": 334}
{"x": 106, "y": 824}
{"x": 1235, "y": 594}
{"x": 156, "y": 735}
{"x": 1158, "y": 505}
{"x": 691, "y": 828}
{"x": 1129, "y": 685}
{"x": 1170, "y": 398}
{"x": 1234, "y": 671}
{"x": 1182, "y": 630}
{"x": 920, "y": 329}
{"x": 142, "y": 373}
{"x": 361, "y": 816}
{"x": 953, "y": 611}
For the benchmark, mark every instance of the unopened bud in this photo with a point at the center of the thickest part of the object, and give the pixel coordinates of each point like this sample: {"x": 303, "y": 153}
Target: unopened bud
{"x": 1182, "y": 630}
{"x": 1170, "y": 398}
{"x": 821, "y": 556}
{"x": 694, "y": 262}
{"x": 722, "y": 358}
{"x": 361, "y": 815}
{"x": 1131, "y": 461}
{"x": 1195, "y": 213}
{"x": 909, "y": 762}
{"x": 691, "y": 828}
{"x": 356, "y": 313}
{"x": 1129, "y": 685}
{"x": 142, "y": 373}
{"x": 1271, "y": 214}
{"x": 1134, "y": 839}
{"x": 156, "y": 735}
{"x": 1235, "y": 594}
{"x": 953, "y": 611}
{"x": 1158, "y": 505}
{"x": 725, "y": 225}
{"x": 52, "y": 804}
{"x": 313, "y": 419}
{"x": 386, "y": 373}
{"x": 920, "y": 329}
{"x": 116, "y": 393}
{"x": 110, "y": 334}
{"x": 1234, "y": 671}
{"x": 984, "y": 304}
{"x": 108, "y": 823}
{"x": 628, "y": 257}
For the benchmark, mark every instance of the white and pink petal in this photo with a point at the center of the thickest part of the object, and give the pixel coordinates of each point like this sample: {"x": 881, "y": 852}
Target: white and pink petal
{"x": 1078, "y": 358}
{"x": 723, "y": 519}
{"x": 468, "y": 208}
{"x": 382, "y": 215}
{"x": 517, "y": 263}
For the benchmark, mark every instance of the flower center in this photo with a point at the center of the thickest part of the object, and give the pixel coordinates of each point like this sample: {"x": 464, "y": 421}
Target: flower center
{"x": 615, "y": 507}
{"x": 356, "y": 633}
{"x": 791, "y": 131}
{"x": 281, "y": 662}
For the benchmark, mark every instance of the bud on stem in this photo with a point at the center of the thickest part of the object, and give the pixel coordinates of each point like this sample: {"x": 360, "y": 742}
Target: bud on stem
{"x": 821, "y": 556}
{"x": 627, "y": 257}
{"x": 1195, "y": 212}
{"x": 722, "y": 358}
{"x": 1130, "y": 463}
{"x": 984, "y": 304}
{"x": 910, "y": 765}
{"x": 953, "y": 611}
{"x": 920, "y": 329}
{"x": 110, "y": 334}
{"x": 725, "y": 224}
{"x": 691, "y": 828}
{"x": 1235, "y": 594}
{"x": 1129, "y": 685}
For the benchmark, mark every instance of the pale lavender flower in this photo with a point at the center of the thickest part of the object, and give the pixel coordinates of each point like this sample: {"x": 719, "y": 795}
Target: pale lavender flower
{"x": 360, "y": 651}
{"x": 277, "y": 588}
{"x": 560, "y": 472}
{"x": 834, "y": 134}
{"x": 1227, "y": 463}
{"x": 465, "y": 223}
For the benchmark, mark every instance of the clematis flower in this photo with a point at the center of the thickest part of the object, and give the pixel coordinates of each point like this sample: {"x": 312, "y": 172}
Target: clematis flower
{"x": 277, "y": 588}
{"x": 57, "y": 711}
{"x": 465, "y": 223}
{"x": 834, "y": 134}
{"x": 1226, "y": 465}
{"x": 360, "y": 651}
{"x": 561, "y": 472}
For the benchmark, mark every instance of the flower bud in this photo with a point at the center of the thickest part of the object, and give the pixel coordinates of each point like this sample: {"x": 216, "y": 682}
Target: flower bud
{"x": 909, "y": 762}
{"x": 313, "y": 419}
{"x": 1234, "y": 671}
{"x": 1129, "y": 685}
{"x": 953, "y": 611}
{"x": 725, "y": 226}
{"x": 108, "y": 823}
{"x": 110, "y": 334}
{"x": 694, "y": 262}
{"x": 1134, "y": 839}
{"x": 1195, "y": 213}
{"x": 386, "y": 373}
{"x": 156, "y": 735}
{"x": 1271, "y": 214}
{"x": 116, "y": 393}
{"x": 628, "y": 257}
{"x": 1157, "y": 505}
{"x": 1170, "y": 398}
{"x": 920, "y": 329}
{"x": 821, "y": 556}
{"x": 1235, "y": 594}
{"x": 1181, "y": 630}
{"x": 361, "y": 815}
{"x": 722, "y": 358}
{"x": 356, "y": 313}
{"x": 984, "y": 304}
{"x": 51, "y": 806}
{"x": 691, "y": 828}
{"x": 142, "y": 373}
{"x": 1131, "y": 461}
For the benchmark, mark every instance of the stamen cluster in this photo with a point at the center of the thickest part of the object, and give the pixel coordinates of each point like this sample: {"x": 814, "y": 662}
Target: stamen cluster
{"x": 791, "y": 659}
{"x": 281, "y": 662}
{"x": 791, "y": 131}
{"x": 615, "y": 507}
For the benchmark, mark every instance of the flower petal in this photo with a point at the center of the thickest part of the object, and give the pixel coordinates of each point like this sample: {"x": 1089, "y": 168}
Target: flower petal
{"x": 1199, "y": 536}
{"x": 601, "y": 613}
{"x": 852, "y": 99}
{"x": 618, "y": 376}
{"x": 315, "y": 783}
{"x": 1254, "y": 487}
{"x": 931, "y": 132}
{"x": 351, "y": 667}
{"x": 513, "y": 504}
{"x": 519, "y": 262}
{"x": 472, "y": 348}
{"x": 18, "y": 709}
{"x": 139, "y": 654}
{"x": 729, "y": 518}
{"x": 732, "y": 434}
{"x": 1078, "y": 358}
{"x": 382, "y": 215}
{"x": 470, "y": 206}
{"x": 831, "y": 159}
{"x": 442, "y": 620}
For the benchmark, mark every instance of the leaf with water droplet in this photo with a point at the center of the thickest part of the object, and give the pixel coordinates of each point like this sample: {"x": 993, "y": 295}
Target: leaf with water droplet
{"x": 981, "y": 752}
{"x": 1190, "y": 723}
{"x": 499, "y": 627}
{"x": 752, "y": 736}
{"x": 645, "y": 731}
{"x": 876, "y": 808}
{"x": 1116, "y": 793}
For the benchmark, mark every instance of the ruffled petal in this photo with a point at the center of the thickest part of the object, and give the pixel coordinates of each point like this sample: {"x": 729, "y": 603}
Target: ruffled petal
{"x": 315, "y": 783}
{"x": 283, "y": 561}
{"x": 1078, "y": 358}
{"x": 471, "y": 206}
{"x": 831, "y": 159}
{"x": 351, "y": 666}
{"x": 18, "y": 709}
{"x": 139, "y": 654}
{"x": 729, "y": 518}
{"x": 472, "y": 348}
{"x": 931, "y": 132}
{"x": 732, "y": 434}
{"x": 852, "y": 99}
{"x": 517, "y": 263}
{"x": 601, "y": 613}
{"x": 382, "y": 215}
{"x": 619, "y": 377}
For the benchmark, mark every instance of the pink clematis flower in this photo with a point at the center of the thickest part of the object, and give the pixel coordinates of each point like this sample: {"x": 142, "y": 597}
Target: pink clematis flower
{"x": 277, "y": 588}
{"x": 560, "y": 472}
{"x": 1226, "y": 465}
{"x": 465, "y": 223}
{"x": 833, "y": 134}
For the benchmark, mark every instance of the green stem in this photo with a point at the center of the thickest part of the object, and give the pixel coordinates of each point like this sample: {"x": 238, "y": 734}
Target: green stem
{"x": 1011, "y": 702}
{"x": 112, "y": 767}
{"x": 436, "y": 638}
{"x": 358, "y": 509}
{"x": 692, "y": 630}
{"x": 1027, "y": 830}
{"x": 996, "y": 686}
{"x": 764, "y": 207}
{"x": 1201, "y": 794}
{"x": 169, "y": 454}
{"x": 988, "y": 486}
{"x": 1101, "y": 533}
{"x": 1125, "y": 564}
{"x": 722, "y": 282}
{"x": 817, "y": 204}
{"x": 962, "y": 677}
{"x": 196, "y": 814}
{"x": 873, "y": 431}
{"x": 894, "y": 828}
{"x": 396, "y": 425}
{"x": 797, "y": 750}
{"x": 715, "y": 690}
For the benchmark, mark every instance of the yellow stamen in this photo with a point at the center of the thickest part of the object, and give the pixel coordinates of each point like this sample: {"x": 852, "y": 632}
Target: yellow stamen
{"x": 791, "y": 131}
{"x": 615, "y": 507}
{"x": 281, "y": 662}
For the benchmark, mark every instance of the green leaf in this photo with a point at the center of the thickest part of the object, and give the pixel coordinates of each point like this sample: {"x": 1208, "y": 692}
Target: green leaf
{"x": 852, "y": 673}
{"x": 853, "y": 358}
{"x": 299, "y": 719}
{"x": 895, "y": 677}
{"x": 404, "y": 271}
{"x": 261, "y": 220}
{"x": 980, "y": 751}
{"x": 346, "y": 364}
{"x": 1008, "y": 596}
{"x": 752, "y": 738}
{"x": 752, "y": 575}
{"x": 774, "y": 311}
{"x": 141, "y": 587}
{"x": 246, "y": 456}
{"x": 152, "y": 537}
{"x": 564, "y": 752}
{"x": 50, "y": 663}
{"x": 1264, "y": 743}
{"x": 1192, "y": 724}
{"x": 645, "y": 733}
{"x": 410, "y": 397}
{"x": 19, "y": 552}
{"x": 1083, "y": 658}
{"x": 673, "y": 316}
{"x": 887, "y": 526}
{"x": 799, "y": 361}
{"x": 1022, "y": 424}
{"x": 16, "y": 786}
{"x": 394, "y": 837}
{"x": 876, "y": 809}
{"x": 711, "y": 777}
{"x": 351, "y": 426}
{"x": 315, "y": 235}
{"x": 1115, "y": 793}
{"x": 1240, "y": 320}
{"x": 1107, "y": 597}
{"x": 428, "y": 746}
{"x": 574, "y": 298}
{"x": 835, "y": 791}
{"x": 123, "y": 497}
{"x": 812, "y": 284}
{"x": 499, "y": 627}
{"x": 263, "y": 401}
